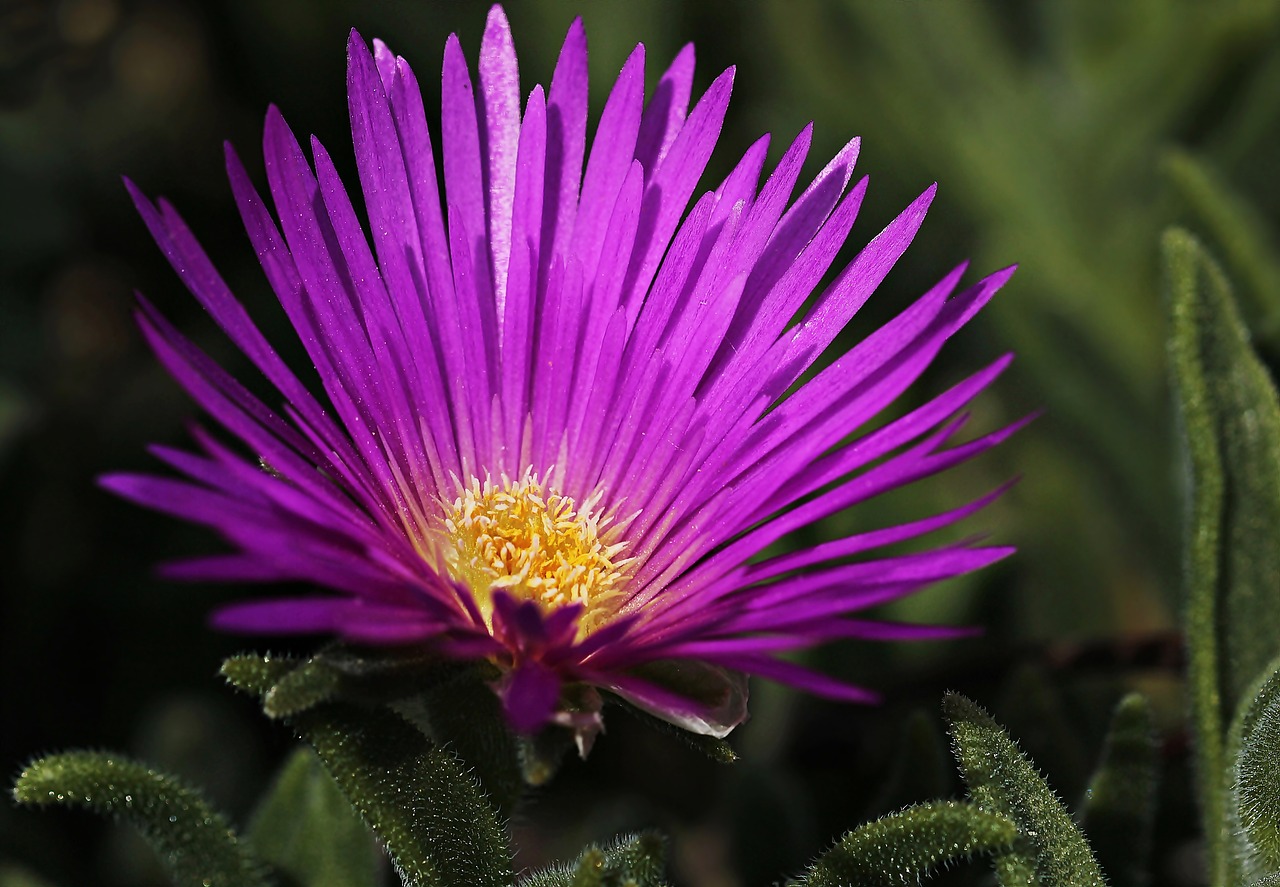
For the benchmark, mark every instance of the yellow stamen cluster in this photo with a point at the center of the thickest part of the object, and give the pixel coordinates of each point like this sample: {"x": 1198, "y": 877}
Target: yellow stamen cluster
{"x": 534, "y": 543}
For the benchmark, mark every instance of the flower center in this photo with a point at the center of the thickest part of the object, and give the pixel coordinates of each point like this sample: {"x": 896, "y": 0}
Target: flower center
{"x": 536, "y": 544}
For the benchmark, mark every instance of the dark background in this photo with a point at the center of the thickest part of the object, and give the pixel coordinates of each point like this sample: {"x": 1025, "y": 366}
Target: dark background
{"x": 1057, "y": 131}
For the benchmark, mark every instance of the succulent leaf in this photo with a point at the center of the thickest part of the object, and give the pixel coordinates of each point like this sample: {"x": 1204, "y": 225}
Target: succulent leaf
{"x": 1049, "y": 849}
{"x": 903, "y": 847}
{"x": 195, "y": 843}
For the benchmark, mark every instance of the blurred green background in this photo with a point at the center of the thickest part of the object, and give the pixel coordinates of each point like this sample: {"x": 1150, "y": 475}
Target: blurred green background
{"x": 1065, "y": 135}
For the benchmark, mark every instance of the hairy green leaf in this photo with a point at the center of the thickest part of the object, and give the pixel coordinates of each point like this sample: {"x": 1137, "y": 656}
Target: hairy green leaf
{"x": 466, "y": 715}
{"x": 1119, "y": 809}
{"x": 1049, "y": 849}
{"x": 1230, "y": 418}
{"x": 451, "y": 702}
{"x": 903, "y": 847}
{"x": 1253, "y": 747}
{"x": 195, "y": 843}
{"x": 629, "y": 861}
{"x": 435, "y": 821}
{"x": 308, "y": 831}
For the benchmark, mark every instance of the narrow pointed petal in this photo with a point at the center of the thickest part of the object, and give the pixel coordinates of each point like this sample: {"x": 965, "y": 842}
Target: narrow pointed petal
{"x": 499, "y": 142}
{"x": 666, "y": 111}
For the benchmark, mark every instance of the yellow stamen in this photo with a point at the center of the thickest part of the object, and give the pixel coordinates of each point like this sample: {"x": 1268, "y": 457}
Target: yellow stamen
{"x": 536, "y": 544}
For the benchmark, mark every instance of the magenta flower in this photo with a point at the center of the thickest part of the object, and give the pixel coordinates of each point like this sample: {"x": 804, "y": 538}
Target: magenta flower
{"x": 555, "y": 431}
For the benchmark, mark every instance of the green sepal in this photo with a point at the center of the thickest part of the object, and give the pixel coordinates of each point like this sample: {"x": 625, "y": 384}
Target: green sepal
{"x": 1253, "y": 747}
{"x": 715, "y": 748}
{"x": 629, "y": 861}
{"x": 256, "y": 673}
{"x": 310, "y": 684}
{"x": 1049, "y": 849}
{"x": 359, "y": 674}
{"x": 719, "y": 695}
{"x": 307, "y": 831}
{"x": 909, "y": 845}
{"x": 542, "y": 754}
{"x": 1118, "y": 813}
{"x": 590, "y": 869}
{"x": 1266, "y": 881}
{"x": 1230, "y": 424}
{"x": 196, "y": 844}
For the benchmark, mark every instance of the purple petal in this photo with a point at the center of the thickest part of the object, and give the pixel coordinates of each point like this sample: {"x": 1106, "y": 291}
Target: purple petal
{"x": 529, "y": 696}
{"x": 566, "y": 147}
{"x": 668, "y": 190}
{"x": 714, "y": 717}
{"x": 499, "y": 141}
{"x": 666, "y": 111}
{"x": 612, "y": 153}
{"x": 800, "y": 677}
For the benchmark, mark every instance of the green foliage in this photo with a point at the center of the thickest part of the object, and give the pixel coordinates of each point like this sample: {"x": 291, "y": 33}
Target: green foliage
{"x": 1244, "y": 235}
{"x": 307, "y": 831}
{"x": 15, "y": 416}
{"x": 16, "y": 877}
{"x": 433, "y": 818}
{"x": 195, "y": 843}
{"x": 255, "y": 673}
{"x": 1118, "y": 814}
{"x": 427, "y": 810}
{"x": 1230, "y": 418}
{"x": 903, "y": 847}
{"x": 362, "y": 674}
{"x": 1049, "y": 849}
{"x": 1254, "y": 749}
{"x": 465, "y": 714}
{"x": 1045, "y": 135}
{"x": 306, "y": 686}
{"x": 1045, "y": 139}
{"x": 448, "y": 700}
{"x": 629, "y": 861}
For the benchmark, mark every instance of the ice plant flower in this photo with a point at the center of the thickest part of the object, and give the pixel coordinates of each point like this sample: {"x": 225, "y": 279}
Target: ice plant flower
{"x": 561, "y": 420}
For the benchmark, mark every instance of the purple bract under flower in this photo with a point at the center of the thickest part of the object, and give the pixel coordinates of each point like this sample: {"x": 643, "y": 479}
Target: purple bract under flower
{"x": 555, "y": 432}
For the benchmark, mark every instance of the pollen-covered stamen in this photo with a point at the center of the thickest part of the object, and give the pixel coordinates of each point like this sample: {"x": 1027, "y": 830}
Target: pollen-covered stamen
{"x": 535, "y": 543}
